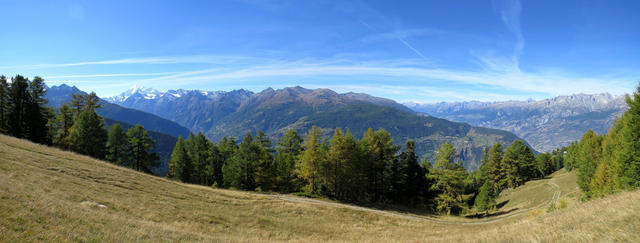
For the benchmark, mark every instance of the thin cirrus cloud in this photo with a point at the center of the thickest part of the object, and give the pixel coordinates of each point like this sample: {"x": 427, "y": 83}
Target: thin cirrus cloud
{"x": 498, "y": 76}
{"x": 402, "y": 79}
{"x": 203, "y": 59}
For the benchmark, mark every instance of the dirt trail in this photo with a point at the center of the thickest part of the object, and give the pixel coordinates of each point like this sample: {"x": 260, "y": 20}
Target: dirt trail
{"x": 554, "y": 199}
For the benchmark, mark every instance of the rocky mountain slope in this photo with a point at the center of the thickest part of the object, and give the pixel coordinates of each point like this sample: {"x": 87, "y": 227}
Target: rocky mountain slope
{"x": 545, "y": 124}
{"x": 219, "y": 114}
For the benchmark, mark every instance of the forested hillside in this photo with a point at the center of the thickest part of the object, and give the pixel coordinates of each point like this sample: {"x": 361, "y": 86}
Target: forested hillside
{"x": 163, "y": 146}
{"x": 25, "y": 112}
{"x": 609, "y": 163}
{"x": 232, "y": 114}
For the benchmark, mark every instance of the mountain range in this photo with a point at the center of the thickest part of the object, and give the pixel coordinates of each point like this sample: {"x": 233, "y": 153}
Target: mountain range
{"x": 546, "y": 124}
{"x": 234, "y": 113}
{"x": 163, "y": 131}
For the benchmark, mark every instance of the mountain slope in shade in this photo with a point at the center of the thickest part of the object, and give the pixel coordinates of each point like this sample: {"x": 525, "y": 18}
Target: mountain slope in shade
{"x": 163, "y": 146}
{"x": 545, "y": 124}
{"x": 219, "y": 114}
{"x": 163, "y": 131}
{"x": 197, "y": 110}
{"x": 57, "y": 95}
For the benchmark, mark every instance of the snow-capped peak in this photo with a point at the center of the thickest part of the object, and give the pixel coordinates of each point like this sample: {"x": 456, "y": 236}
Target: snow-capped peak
{"x": 146, "y": 93}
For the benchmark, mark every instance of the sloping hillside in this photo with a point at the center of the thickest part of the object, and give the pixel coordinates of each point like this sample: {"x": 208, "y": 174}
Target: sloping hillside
{"x": 50, "y": 195}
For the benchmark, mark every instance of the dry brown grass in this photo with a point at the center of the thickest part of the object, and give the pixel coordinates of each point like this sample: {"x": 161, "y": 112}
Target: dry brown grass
{"x": 50, "y": 195}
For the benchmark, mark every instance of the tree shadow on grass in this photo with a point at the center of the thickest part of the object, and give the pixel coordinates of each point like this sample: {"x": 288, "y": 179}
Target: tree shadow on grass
{"x": 492, "y": 214}
{"x": 500, "y": 205}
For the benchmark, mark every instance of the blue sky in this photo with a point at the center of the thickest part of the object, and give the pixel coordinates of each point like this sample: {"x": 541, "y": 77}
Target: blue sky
{"x": 424, "y": 51}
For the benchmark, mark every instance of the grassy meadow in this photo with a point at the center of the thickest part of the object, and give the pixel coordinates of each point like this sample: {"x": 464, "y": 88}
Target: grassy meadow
{"x": 51, "y": 195}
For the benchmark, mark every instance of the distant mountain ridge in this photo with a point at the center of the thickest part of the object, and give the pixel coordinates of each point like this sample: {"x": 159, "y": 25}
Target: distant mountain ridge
{"x": 546, "y": 124}
{"x": 200, "y": 110}
{"x": 57, "y": 95}
{"x": 219, "y": 113}
{"x": 194, "y": 109}
{"x": 163, "y": 131}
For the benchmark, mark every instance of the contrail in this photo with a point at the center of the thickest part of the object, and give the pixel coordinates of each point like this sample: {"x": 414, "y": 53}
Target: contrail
{"x": 411, "y": 47}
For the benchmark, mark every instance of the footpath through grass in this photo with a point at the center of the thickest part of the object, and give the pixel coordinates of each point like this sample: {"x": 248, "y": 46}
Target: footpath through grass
{"x": 51, "y": 195}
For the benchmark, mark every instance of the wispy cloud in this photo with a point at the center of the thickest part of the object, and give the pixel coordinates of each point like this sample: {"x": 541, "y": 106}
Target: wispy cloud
{"x": 208, "y": 59}
{"x": 509, "y": 11}
{"x": 552, "y": 83}
{"x": 401, "y": 79}
{"x": 109, "y": 75}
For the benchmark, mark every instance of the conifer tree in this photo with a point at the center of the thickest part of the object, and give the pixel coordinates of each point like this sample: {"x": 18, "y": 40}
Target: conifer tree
{"x": 88, "y": 135}
{"x": 379, "y": 152}
{"x": 226, "y": 148}
{"x": 288, "y": 150}
{"x": 312, "y": 159}
{"x": 140, "y": 144}
{"x": 62, "y": 139}
{"x": 485, "y": 200}
{"x": 239, "y": 171}
{"x": 198, "y": 148}
{"x": 343, "y": 171}
{"x": 265, "y": 171}
{"x": 77, "y": 104}
{"x": 214, "y": 166}
{"x": 519, "y": 164}
{"x": 415, "y": 184}
{"x": 116, "y": 144}
{"x": 589, "y": 154}
{"x": 20, "y": 99}
{"x": 92, "y": 101}
{"x": 628, "y": 161}
{"x": 571, "y": 161}
{"x": 448, "y": 179}
{"x": 5, "y": 105}
{"x": 544, "y": 164}
{"x": 180, "y": 163}
{"x": 37, "y": 112}
{"x": 605, "y": 178}
{"x": 52, "y": 124}
{"x": 336, "y": 160}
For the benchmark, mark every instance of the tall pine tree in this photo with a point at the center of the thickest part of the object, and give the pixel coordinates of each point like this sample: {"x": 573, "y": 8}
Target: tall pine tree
{"x": 288, "y": 150}
{"x": 589, "y": 154}
{"x": 20, "y": 100}
{"x": 448, "y": 177}
{"x": 140, "y": 144}
{"x": 414, "y": 190}
{"x": 311, "y": 160}
{"x": 628, "y": 162}
{"x": 88, "y": 135}
{"x": 265, "y": 171}
{"x": 117, "y": 144}
{"x": 239, "y": 171}
{"x": 38, "y": 112}
{"x": 5, "y": 105}
{"x": 65, "y": 121}
{"x": 180, "y": 163}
